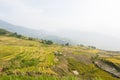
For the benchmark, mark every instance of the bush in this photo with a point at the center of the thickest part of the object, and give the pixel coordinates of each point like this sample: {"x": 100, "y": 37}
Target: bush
{"x": 67, "y": 44}
{"x": 93, "y": 47}
{"x": 16, "y": 35}
{"x": 30, "y": 38}
{"x": 3, "y": 32}
{"x": 28, "y": 63}
{"x": 49, "y": 42}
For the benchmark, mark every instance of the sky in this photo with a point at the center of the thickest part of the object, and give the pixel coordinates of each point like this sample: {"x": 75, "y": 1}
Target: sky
{"x": 102, "y": 16}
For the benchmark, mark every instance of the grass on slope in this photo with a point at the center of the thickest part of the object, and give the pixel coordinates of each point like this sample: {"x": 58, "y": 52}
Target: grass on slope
{"x": 29, "y": 60}
{"x": 89, "y": 71}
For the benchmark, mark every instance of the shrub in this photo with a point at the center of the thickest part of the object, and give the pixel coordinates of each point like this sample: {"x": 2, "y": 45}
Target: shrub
{"x": 67, "y": 44}
{"x": 27, "y": 63}
{"x": 30, "y": 38}
{"x": 49, "y": 42}
{"x": 3, "y": 32}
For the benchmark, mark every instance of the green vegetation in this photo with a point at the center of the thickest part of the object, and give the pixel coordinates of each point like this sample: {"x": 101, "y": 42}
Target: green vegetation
{"x": 88, "y": 71}
{"x": 48, "y": 42}
{"x": 42, "y": 77}
{"x": 4, "y": 32}
{"x": 67, "y": 44}
{"x": 25, "y": 58}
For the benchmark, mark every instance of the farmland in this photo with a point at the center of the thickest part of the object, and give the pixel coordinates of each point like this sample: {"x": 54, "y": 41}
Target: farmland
{"x": 23, "y": 59}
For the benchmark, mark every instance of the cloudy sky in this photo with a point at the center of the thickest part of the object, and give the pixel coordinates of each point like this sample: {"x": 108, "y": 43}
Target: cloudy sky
{"x": 101, "y": 16}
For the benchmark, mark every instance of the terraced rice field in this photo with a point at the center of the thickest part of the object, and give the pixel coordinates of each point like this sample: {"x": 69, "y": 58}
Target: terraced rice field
{"x": 22, "y": 59}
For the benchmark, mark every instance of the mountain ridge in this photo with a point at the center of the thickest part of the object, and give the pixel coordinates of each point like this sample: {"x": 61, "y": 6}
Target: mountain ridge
{"x": 32, "y": 32}
{"x": 74, "y": 37}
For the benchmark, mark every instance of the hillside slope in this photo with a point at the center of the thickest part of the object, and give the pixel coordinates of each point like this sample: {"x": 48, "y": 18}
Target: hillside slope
{"x": 24, "y": 59}
{"x": 63, "y": 36}
{"x": 41, "y": 34}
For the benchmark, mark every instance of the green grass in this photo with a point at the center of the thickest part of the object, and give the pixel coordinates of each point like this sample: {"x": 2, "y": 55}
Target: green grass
{"x": 29, "y": 59}
{"x": 89, "y": 71}
{"x": 16, "y": 57}
{"x": 42, "y": 77}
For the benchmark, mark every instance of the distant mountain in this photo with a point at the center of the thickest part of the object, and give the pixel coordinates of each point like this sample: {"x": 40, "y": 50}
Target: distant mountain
{"x": 99, "y": 40}
{"x": 72, "y": 36}
{"x": 41, "y": 34}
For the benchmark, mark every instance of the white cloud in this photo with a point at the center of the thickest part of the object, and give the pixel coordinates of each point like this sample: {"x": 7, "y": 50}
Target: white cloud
{"x": 89, "y": 15}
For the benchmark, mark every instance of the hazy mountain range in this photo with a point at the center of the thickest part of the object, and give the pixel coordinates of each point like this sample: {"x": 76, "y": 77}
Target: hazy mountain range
{"x": 72, "y": 36}
{"x": 92, "y": 38}
{"x": 41, "y": 34}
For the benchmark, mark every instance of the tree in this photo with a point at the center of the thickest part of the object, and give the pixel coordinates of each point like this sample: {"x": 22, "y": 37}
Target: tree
{"x": 93, "y": 47}
{"x": 19, "y": 36}
{"x": 67, "y": 44}
{"x": 4, "y": 32}
{"x": 49, "y": 42}
{"x": 30, "y": 38}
